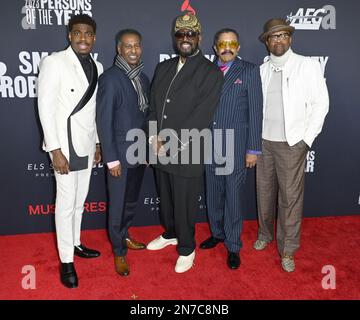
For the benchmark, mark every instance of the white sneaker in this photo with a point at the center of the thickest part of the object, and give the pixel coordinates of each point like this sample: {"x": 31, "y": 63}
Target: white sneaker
{"x": 184, "y": 263}
{"x": 260, "y": 244}
{"x": 160, "y": 243}
{"x": 288, "y": 263}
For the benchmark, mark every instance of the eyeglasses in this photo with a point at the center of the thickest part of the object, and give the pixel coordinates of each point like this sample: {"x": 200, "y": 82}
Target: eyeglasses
{"x": 277, "y": 37}
{"x": 188, "y": 34}
{"x": 232, "y": 44}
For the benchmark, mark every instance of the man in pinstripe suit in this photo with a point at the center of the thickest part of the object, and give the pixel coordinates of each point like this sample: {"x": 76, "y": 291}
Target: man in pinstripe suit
{"x": 240, "y": 110}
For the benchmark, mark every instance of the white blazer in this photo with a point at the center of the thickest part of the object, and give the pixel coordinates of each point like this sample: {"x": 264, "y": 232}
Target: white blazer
{"x": 61, "y": 84}
{"x": 305, "y": 97}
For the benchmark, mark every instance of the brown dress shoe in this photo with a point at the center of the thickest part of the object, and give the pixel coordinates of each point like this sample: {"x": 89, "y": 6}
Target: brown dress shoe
{"x": 121, "y": 266}
{"x": 134, "y": 245}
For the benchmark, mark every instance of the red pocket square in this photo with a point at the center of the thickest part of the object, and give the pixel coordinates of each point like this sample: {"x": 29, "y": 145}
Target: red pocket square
{"x": 238, "y": 81}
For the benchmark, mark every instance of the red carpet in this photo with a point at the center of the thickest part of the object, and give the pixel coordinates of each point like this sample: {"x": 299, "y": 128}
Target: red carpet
{"x": 325, "y": 241}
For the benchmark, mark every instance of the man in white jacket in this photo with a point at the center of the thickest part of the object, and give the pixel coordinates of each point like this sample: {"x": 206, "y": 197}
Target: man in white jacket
{"x": 66, "y": 99}
{"x": 296, "y": 102}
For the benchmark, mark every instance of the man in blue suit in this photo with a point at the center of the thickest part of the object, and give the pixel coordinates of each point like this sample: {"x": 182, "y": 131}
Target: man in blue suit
{"x": 239, "y": 113}
{"x": 122, "y": 105}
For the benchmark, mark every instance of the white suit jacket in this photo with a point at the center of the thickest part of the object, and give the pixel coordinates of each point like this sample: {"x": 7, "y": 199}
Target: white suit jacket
{"x": 61, "y": 84}
{"x": 305, "y": 97}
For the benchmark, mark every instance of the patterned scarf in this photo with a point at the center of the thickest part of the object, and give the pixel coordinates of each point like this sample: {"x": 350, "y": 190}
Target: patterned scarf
{"x": 134, "y": 75}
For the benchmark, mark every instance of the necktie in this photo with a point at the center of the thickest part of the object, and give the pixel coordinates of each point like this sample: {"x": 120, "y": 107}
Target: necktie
{"x": 223, "y": 68}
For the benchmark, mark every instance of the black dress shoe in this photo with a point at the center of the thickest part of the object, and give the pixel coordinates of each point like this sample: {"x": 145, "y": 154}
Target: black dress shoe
{"x": 83, "y": 252}
{"x": 210, "y": 243}
{"x": 68, "y": 275}
{"x": 233, "y": 260}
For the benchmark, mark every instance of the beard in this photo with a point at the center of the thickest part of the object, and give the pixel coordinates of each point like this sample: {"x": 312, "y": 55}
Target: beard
{"x": 186, "y": 53}
{"x": 279, "y": 50}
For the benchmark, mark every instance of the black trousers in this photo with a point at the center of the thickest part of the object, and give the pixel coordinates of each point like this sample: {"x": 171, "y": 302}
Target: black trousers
{"x": 123, "y": 196}
{"x": 179, "y": 202}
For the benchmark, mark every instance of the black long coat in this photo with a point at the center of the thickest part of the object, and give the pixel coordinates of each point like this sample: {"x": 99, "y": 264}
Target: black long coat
{"x": 186, "y": 100}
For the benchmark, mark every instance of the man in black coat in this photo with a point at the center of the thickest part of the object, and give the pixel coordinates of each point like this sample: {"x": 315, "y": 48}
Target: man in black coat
{"x": 122, "y": 105}
{"x": 184, "y": 95}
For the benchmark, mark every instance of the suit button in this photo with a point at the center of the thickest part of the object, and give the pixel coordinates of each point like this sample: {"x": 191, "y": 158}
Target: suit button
{"x": 165, "y": 116}
{"x": 168, "y": 100}
{"x": 72, "y": 90}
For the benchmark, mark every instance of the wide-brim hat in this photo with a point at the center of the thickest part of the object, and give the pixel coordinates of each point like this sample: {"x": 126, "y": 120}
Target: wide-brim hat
{"x": 275, "y": 25}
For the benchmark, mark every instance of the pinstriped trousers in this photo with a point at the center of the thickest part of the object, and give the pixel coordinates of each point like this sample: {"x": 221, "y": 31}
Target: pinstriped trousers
{"x": 280, "y": 189}
{"x": 225, "y": 201}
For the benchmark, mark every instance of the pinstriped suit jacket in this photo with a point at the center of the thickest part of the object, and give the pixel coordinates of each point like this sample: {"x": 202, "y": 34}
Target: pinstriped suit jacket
{"x": 241, "y": 109}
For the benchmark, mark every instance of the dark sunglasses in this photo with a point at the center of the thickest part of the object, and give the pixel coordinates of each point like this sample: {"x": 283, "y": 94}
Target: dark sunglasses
{"x": 188, "y": 34}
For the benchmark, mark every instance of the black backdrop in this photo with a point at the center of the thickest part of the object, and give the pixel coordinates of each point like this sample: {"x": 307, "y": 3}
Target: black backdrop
{"x": 328, "y": 32}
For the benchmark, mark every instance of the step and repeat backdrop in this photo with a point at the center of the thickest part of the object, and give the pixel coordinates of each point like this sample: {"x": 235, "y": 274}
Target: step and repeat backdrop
{"x": 327, "y": 31}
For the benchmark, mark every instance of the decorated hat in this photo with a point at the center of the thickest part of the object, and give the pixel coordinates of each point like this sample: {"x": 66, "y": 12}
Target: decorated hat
{"x": 187, "y": 21}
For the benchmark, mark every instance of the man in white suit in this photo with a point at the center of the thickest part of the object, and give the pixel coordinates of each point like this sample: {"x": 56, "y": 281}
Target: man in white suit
{"x": 66, "y": 99}
{"x": 296, "y": 101}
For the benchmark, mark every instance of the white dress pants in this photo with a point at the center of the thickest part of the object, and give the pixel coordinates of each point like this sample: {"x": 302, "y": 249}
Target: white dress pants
{"x": 71, "y": 192}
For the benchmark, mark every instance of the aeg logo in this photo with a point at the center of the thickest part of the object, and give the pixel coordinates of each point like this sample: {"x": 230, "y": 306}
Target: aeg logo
{"x": 313, "y": 19}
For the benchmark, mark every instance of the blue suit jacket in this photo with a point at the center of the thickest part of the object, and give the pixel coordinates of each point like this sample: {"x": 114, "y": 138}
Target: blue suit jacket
{"x": 117, "y": 111}
{"x": 241, "y": 109}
